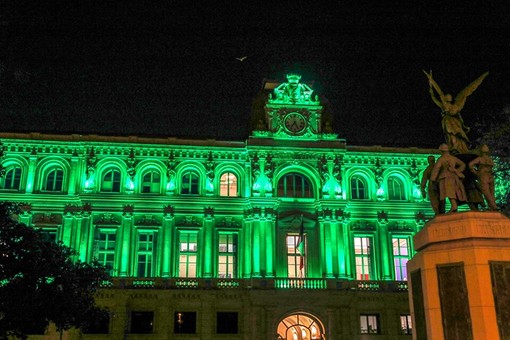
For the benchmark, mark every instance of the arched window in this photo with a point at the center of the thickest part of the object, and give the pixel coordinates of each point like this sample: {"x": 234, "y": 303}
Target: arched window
{"x": 111, "y": 181}
{"x": 228, "y": 185}
{"x": 300, "y": 326}
{"x": 54, "y": 180}
{"x": 189, "y": 183}
{"x": 294, "y": 185}
{"x": 12, "y": 179}
{"x": 358, "y": 188}
{"x": 396, "y": 189}
{"x": 151, "y": 182}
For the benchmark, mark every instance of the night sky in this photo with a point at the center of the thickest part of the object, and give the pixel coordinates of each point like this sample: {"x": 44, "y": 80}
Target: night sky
{"x": 137, "y": 68}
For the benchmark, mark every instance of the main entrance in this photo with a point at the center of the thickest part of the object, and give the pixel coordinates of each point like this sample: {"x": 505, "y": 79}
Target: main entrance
{"x": 300, "y": 326}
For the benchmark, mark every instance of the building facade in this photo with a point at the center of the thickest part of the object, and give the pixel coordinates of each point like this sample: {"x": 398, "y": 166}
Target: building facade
{"x": 292, "y": 234}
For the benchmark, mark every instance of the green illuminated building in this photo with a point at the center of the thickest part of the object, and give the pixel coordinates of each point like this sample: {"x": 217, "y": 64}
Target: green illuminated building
{"x": 203, "y": 237}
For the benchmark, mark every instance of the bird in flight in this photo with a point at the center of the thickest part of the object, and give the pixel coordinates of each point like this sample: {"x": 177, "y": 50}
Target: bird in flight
{"x": 242, "y": 58}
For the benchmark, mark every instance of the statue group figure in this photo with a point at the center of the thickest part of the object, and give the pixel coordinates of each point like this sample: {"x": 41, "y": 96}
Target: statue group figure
{"x": 446, "y": 177}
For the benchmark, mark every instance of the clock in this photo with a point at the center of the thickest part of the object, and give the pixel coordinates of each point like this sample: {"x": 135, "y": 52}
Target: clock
{"x": 294, "y": 122}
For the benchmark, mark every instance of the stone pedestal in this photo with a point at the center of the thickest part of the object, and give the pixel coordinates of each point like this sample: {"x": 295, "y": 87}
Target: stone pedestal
{"x": 460, "y": 277}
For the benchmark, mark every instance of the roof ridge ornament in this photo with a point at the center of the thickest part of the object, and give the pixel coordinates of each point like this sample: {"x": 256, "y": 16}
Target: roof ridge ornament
{"x": 293, "y": 92}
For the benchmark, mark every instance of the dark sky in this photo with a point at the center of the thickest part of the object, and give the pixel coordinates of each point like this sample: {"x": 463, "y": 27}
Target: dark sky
{"x": 137, "y": 68}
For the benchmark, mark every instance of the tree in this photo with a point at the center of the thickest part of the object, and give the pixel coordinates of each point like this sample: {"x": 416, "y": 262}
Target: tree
{"x": 495, "y": 132}
{"x": 40, "y": 283}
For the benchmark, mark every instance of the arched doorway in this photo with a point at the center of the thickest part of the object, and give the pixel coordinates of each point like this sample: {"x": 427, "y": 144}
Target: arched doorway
{"x": 301, "y": 326}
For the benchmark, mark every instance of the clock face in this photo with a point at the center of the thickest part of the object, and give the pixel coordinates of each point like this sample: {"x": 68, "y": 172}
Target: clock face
{"x": 295, "y": 122}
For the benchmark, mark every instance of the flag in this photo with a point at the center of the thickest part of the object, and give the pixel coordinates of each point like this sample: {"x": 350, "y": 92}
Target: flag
{"x": 301, "y": 244}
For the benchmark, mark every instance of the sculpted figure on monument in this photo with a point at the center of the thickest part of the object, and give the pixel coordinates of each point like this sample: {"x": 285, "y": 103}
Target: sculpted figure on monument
{"x": 482, "y": 168}
{"x": 293, "y": 91}
{"x": 454, "y": 130}
{"x": 431, "y": 188}
{"x": 448, "y": 173}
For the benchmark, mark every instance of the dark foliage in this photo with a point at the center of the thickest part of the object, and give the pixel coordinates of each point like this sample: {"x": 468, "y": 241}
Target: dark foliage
{"x": 39, "y": 281}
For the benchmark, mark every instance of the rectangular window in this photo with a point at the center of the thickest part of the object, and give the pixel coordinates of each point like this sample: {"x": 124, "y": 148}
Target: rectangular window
{"x": 369, "y": 323}
{"x": 188, "y": 254}
{"x": 142, "y": 322}
{"x": 362, "y": 255}
{"x": 406, "y": 326}
{"x": 98, "y": 325}
{"x": 226, "y": 323}
{"x": 296, "y": 261}
{"x": 185, "y": 322}
{"x": 227, "y": 255}
{"x": 50, "y": 233}
{"x": 146, "y": 254}
{"x": 401, "y": 255}
{"x": 105, "y": 248}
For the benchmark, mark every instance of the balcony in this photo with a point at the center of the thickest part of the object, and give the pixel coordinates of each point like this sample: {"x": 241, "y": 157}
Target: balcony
{"x": 256, "y": 283}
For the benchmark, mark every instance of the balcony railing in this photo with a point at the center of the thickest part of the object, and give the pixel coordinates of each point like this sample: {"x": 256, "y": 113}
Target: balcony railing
{"x": 255, "y": 283}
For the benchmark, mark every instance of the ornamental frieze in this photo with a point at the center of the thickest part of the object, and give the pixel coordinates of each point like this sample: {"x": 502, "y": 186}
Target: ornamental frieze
{"x": 363, "y": 225}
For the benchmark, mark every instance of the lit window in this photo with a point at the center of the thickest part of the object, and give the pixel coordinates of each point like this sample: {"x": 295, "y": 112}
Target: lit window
{"x": 105, "y": 246}
{"x": 228, "y": 185}
{"x": 406, "y": 325}
{"x": 227, "y": 256}
{"x": 369, "y": 323}
{"x": 188, "y": 255}
{"x": 400, "y": 257}
{"x": 151, "y": 182}
{"x": 358, "y": 188}
{"x": 146, "y": 254}
{"x": 185, "y": 322}
{"x": 294, "y": 185}
{"x": 396, "y": 190}
{"x": 362, "y": 255}
{"x": 111, "y": 181}
{"x": 54, "y": 180}
{"x": 296, "y": 261}
{"x": 12, "y": 179}
{"x": 189, "y": 183}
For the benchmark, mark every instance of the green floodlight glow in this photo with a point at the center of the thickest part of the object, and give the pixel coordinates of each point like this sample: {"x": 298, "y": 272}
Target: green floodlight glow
{"x": 380, "y": 194}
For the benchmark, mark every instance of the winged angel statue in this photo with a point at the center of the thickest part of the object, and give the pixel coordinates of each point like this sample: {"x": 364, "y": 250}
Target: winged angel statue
{"x": 454, "y": 130}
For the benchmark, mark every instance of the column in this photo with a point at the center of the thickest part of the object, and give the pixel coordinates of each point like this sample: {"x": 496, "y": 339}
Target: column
{"x": 166, "y": 240}
{"x": 82, "y": 242}
{"x": 72, "y": 177}
{"x": 208, "y": 244}
{"x": 125, "y": 243}
{"x": 247, "y": 247}
{"x": 344, "y": 251}
{"x": 31, "y": 172}
{"x": 270, "y": 229}
{"x": 256, "y": 248}
{"x": 326, "y": 248}
{"x": 385, "y": 252}
{"x": 67, "y": 228}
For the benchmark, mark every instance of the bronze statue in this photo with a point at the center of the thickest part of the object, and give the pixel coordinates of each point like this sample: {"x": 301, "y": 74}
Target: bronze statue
{"x": 432, "y": 188}
{"x": 448, "y": 173}
{"x": 453, "y": 126}
{"x": 482, "y": 168}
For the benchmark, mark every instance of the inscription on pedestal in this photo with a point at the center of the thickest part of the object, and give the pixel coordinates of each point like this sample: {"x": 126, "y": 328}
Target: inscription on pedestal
{"x": 454, "y": 302}
{"x": 500, "y": 277}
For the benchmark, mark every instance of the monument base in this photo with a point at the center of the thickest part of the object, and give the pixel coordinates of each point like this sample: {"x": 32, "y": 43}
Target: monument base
{"x": 459, "y": 284}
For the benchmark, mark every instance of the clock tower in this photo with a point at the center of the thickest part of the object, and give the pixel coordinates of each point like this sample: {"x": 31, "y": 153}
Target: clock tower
{"x": 292, "y": 112}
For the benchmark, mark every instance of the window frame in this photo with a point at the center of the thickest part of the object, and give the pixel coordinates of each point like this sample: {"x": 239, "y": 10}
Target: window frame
{"x": 59, "y": 172}
{"x": 6, "y": 179}
{"x": 356, "y": 188}
{"x": 399, "y": 257}
{"x": 150, "y": 254}
{"x": 306, "y": 186}
{"x": 231, "y": 270}
{"x": 228, "y": 184}
{"x": 369, "y": 256}
{"x": 365, "y": 319}
{"x": 153, "y": 187}
{"x": 99, "y": 252}
{"x": 113, "y": 183}
{"x": 188, "y": 184}
{"x": 399, "y": 196}
{"x": 293, "y": 258}
{"x": 188, "y": 254}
